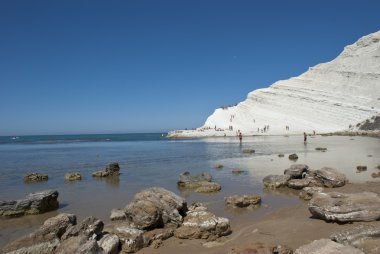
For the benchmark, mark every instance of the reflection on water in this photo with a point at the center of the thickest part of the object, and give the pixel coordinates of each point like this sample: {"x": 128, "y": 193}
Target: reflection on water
{"x": 158, "y": 163}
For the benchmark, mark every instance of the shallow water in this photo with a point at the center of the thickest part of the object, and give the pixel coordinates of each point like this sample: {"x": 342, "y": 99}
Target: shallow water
{"x": 152, "y": 161}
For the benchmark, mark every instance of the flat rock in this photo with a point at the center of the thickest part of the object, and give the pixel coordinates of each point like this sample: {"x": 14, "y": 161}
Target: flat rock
{"x": 308, "y": 192}
{"x": 243, "y": 201}
{"x": 73, "y": 176}
{"x": 207, "y": 187}
{"x": 276, "y": 181}
{"x": 364, "y": 237}
{"x": 296, "y": 170}
{"x": 155, "y": 207}
{"x": 202, "y": 224}
{"x": 46, "y": 238}
{"x": 111, "y": 169}
{"x": 118, "y": 214}
{"x": 35, "y": 177}
{"x": 330, "y": 177}
{"x": 341, "y": 207}
{"x": 298, "y": 183}
{"x": 186, "y": 178}
{"x": 326, "y": 246}
{"x": 33, "y": 203}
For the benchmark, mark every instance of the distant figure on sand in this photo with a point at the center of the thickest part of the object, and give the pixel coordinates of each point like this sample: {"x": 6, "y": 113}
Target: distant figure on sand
{"x": 304, "y": 138}
{"x": 240, "y": 137}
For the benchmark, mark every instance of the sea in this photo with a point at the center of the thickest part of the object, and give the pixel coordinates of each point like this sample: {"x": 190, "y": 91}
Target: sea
{"x": 151, "y": 159}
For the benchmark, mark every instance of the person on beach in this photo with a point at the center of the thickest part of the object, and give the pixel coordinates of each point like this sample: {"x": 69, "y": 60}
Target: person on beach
{"x": 304, "y": 138}
{"x": 240, "y": 136}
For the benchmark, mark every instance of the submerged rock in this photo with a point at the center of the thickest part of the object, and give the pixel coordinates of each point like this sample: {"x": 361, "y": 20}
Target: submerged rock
{"x": 341, "y": 207}
{"x": 326, "y": 246}
{"x": 364, "y": 237}
{"x": 248, "y": 150}
{"x": 202, "y": 224}
{"x": 296, "y": 170}
{"x": 323, "y": 149}
{"x": 308, "y": 192}
{"x": 155, "y": 207}
{"x": 293, "y": 157}
{"x": 237, "y": 171}
{"x": 276, "y": 181}
{"x": 111, "y": 170}
{"x": 33, "y": 203}
{"x": 361, "y": 168}
{"x": 281, "y": 155}
{"x": 218, "y": 166}
{"x": 35, "y": 177}
{"x": 243, "y": 201}
{"x": 330, "y": 177}
{"x": 73, "y": 176}
{"x": 200, "y": 183}
{"x": 208, "y": 187}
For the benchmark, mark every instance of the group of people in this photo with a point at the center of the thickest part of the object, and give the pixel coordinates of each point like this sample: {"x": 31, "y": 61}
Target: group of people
{"x": 265, "y": 129}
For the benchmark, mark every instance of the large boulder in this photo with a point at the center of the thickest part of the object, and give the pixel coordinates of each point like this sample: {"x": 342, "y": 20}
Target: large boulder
{"x": 156, "y": 207}
{"x": 330, "y": 177}
{"x": 33, "y": 203}
{"x": 364, "y": 237}
{"x": 296, "y": 170}
{"x": 341, "y": 207}
{"x": 45, "y": 239}
{"x": 276, "y": 181}
{"x": 326, "y": 246}
{"x": 35, "y": 177}
{"x": 243, "y": 201}
{"x": 202, "y": 224}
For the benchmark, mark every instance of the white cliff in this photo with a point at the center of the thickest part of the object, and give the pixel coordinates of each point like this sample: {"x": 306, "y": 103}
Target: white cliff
{"x": 328, "y": 97}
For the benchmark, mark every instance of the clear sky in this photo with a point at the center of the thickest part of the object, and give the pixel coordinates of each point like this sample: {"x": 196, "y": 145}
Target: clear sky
{"x": 140, "y": 66}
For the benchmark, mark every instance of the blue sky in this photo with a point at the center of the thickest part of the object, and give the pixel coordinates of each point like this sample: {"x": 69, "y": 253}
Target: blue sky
{"x": 142, "y": 66}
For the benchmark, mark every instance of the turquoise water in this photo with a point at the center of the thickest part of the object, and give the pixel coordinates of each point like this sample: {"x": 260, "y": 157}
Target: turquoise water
{"x": 148, "y": 160}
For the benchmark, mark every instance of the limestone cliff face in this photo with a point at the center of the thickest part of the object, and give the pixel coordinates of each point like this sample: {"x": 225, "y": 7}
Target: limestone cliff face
{"x": 328, "y": 97}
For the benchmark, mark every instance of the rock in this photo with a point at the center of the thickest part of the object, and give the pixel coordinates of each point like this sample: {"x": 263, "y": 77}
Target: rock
{"x": 260, "y": 248}
{"x": 46, "y": 238}
{"x": 296, "y": 170}
{"x": 156, "y": 207}
{"x": 158, "y": 235}
{"x": 308, "y": 192}
{"x": 35, "y": 177}
{"x": 131, "y": 238}
{"x": 218, "y": 166}
{"x": 341, "y": 207}
{"x": 33, "y": 203}
{"x": 326, "y": 246}
{"x": 361, "y": 168}
{"x": 375, "y": 174}
{"x": 111, "y": 170}
{"x": 243, "y": 201}
{"x": 208, "y": 187}
{"x": 378, "y": 166}
{"x": 323, "y": 149}
{"x": 185, "y": 179}
{"x": 89, "y": 227}
{"x": 293, "y": 157}
{"x": 73, "y": 176}
{"x": 364, "y": 237}
{"x": 79, "y": 245}
{"x": 298, "y": 183}
{"x": 109, "y": 243}
{"x": 202, "y": 224}
{"x": 117, "y": 214}
{"x": 276, "y": 181}
{"x": 248, "y": 150}
{"x": 281, "y": 155}
{"x": 330, "y": 177}
{"x": 237, "y": 171}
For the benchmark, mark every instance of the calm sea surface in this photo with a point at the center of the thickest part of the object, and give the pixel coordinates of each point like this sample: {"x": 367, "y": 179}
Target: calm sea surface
{"x": 148, "y": 160}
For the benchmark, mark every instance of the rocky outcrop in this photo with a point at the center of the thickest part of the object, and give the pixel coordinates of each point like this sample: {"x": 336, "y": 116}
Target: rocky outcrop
{"x": 202, "y": 224}
{"x": 364, "y": 237}
{"x": 341, "y": 207}
{"x": 156, "y": 207}
{"x": 111, "y": 170}
{"x": 275, "y": 181}
{"x": 33, "y": 203}
{"x": 330, "y": 177}
{"x": 73, "y": 176}
{"x": 296, "y": 170}
{"x": 326, "y": 246}
{"x": 35, "y": 177}
{"x": 243, "y": 201}
{"x": 308, "y": 192}
{"x": 200, "y": 183}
